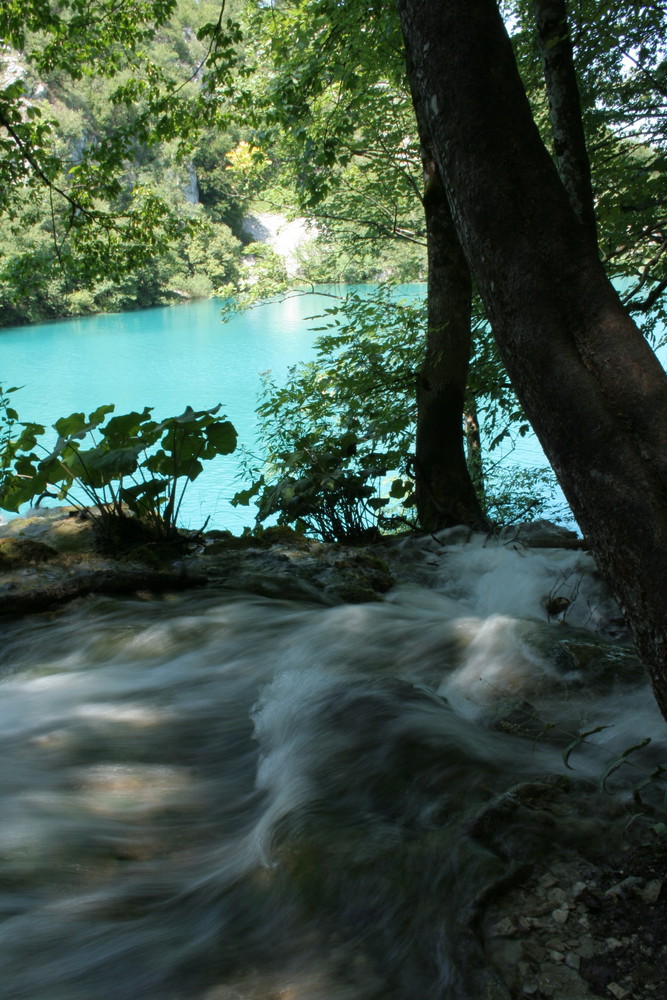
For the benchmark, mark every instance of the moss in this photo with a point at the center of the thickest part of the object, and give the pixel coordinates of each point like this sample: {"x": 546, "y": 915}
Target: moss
{"x": 364, "y": 577}
{"x": 260, "y": 538}
{"x": 17, "y": 552}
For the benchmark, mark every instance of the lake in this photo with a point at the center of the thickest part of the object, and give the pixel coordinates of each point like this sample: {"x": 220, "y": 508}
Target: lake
{"x": 167, "y": 358}
{"x": 170, "y": 358}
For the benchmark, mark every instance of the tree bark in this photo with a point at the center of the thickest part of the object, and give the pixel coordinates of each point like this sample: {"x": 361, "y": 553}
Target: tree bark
{"x": 444, "y": 491}
{"x": 589, "y": 383}
{"x": 474, "y": 448}
{"x": 560, "y": 76}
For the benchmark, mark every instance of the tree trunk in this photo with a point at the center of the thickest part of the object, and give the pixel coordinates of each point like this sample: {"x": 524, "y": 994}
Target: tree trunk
{"x": 474, "y": 448}
{"x": 444, "y": 490}
{"x": 560, "y": 77}
{"x": 589, "y": 383}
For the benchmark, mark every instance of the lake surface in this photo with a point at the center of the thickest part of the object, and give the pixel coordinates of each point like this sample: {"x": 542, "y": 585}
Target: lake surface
{"x": 169, "y": 358}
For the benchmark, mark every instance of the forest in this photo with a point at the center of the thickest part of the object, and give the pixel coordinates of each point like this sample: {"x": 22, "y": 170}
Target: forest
{"x": 185, "y": 173}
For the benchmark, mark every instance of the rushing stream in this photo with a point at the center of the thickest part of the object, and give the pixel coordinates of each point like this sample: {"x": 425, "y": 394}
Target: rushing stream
{"x": 215, "y": 797}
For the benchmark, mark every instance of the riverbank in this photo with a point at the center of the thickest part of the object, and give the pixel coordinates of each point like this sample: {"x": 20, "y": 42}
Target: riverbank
{"x": 49, "y": 558}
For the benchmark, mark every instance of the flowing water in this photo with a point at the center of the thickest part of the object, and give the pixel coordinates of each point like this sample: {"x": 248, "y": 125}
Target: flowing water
{"x": 214, "y": 797}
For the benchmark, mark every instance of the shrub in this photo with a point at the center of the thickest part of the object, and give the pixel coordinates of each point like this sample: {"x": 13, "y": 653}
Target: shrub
{"x": 133, "y": 474}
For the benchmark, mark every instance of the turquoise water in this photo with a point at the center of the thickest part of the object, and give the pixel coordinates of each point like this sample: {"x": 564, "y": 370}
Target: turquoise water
{"x": 167, "y": 358}
{"x": 170, "y": 358}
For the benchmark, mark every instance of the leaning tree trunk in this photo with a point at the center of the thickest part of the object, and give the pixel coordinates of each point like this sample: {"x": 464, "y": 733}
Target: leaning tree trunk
{"x": 567, "y": 127}
{"x": 589, "y": 383}
{"x": 444, "y": 491}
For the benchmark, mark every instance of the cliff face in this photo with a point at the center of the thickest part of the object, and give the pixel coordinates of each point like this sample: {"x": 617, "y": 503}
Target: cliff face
{"x": 285, "y": 236}
{"x": 11, "y": 66}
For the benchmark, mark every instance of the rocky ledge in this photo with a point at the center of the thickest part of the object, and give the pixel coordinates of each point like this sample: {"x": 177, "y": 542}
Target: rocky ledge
{"x": 50, "y": 558}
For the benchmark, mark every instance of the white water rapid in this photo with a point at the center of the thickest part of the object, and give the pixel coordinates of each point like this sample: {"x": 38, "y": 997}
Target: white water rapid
{"x": 213, "y": 797}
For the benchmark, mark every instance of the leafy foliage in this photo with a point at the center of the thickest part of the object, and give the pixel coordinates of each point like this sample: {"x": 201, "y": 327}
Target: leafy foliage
{"x": 100, "y": 119}
{"x": 132, "y": 463}
{"x": 513, "y": 494}
{"x": 622, "y": 73}
{"x": 337, "y": 435}
{"x": 318, "y": 490}
{"x": 328, "y": 103}
{"x": 8, "y": 418}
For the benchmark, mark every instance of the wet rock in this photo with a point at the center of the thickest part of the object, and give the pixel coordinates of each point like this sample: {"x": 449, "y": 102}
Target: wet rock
{"x": 624, "y": 886}
{"x": 278, "y": 564}
{"x": 64, "y": 529}
{"x": 543, "y": 534}
{"x": 18, "y": 552}
{"x": 561, "y": 983}
{"x": 557, "y": 606}
{"x": 619, "y": 918}
{"x": 504, "y": 928}
{"x": 547, "y": 881}
{"x": 650, "y": 893}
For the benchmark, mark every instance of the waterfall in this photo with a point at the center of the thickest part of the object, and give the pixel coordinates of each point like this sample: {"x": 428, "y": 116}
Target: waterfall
{"x": 191, "y": 186}
{"x": 217, "y": 797}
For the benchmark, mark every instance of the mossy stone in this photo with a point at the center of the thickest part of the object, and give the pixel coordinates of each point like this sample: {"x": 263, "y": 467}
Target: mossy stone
{"x": 17, "y": 552}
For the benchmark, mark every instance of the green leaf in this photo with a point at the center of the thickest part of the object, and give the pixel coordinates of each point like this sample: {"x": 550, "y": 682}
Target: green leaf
{"x": 399, "y": 488}
{"x": 577, "y": 741}
{"x": 243, "y": 497}
{"x": 377, "y": 503}
{"x": 159, "y": 462}
{"x": 28, "y": 437}
{"x": 222, "y": 436}
{"x": 123, "y": 429}
{"x": 97, "y": 416}
{"x": 71, "y": 426}
{"x": 141, "y": 497}
{"x": 621, "y": 759}
{"x": 100, "y": 466}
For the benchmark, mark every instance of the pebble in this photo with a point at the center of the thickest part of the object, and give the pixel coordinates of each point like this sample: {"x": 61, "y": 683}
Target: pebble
{"x": 547, "y": 881}
{"x": 586, "y": 947}
{"x": 651, "y": 890}
{"x": 628, "y": 883}
{"x": 504, "y": 928}
{"x": 543, "y": 953}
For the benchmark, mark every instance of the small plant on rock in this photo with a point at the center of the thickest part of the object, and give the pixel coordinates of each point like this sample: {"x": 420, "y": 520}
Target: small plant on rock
{"x": 131, "y": 472}
{"x": 324, "y": 487}
{"x": 8, "y": 418}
